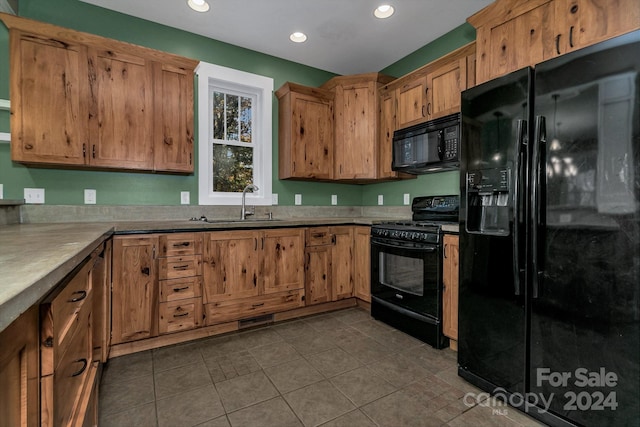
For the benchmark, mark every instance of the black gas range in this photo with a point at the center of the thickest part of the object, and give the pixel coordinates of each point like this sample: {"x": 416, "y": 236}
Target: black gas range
{"x": 406, "y": 269}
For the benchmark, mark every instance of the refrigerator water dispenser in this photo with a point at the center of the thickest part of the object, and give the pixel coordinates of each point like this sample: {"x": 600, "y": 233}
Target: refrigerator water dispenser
{"x": 488, "y": 205}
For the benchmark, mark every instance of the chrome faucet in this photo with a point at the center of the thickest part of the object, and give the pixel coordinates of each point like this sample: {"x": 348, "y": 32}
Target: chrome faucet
{"x": 243, "y": 214}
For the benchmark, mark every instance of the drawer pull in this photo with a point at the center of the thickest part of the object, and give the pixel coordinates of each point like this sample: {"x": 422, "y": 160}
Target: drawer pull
{"x": 180, "y": 289}
{"x": 181, "y": 267}
{"x": 177, "y": 245}
{"x": 257, "y": 305}
{"x": 83, "y": 295}
{"x": 84, "y": 366}
{"x": 318, "y": 235}
{"x": 181, "y": 315}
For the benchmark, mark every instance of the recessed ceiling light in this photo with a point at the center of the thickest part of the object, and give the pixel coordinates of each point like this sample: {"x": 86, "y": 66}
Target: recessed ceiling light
{"x": 384, "y": 11}
{"x": 198, "y": 5}
{"x": 298, "y": 37}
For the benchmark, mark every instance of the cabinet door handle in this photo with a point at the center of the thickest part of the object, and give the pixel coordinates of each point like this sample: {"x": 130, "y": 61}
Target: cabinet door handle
{"x": 333, "y": 239}
{"x": 428, "y": 109}
{"x": 180, "y": 315}
{"x": 145, "y": 270}
{"x": 319, "y": 235}
{"x": 177, "y": 245}
{"x": 571, "y": 36}
{"x": 444, "y": 251}
{"x": 81, "y": 370}
{"x": 558, "y": 44}
{"x": 83, "y": 295}
{"x": 181, "y": 267}
{"x": 180, "y": 289}
{"x": 423, "y": 112}
{"x": 257, "y": 305}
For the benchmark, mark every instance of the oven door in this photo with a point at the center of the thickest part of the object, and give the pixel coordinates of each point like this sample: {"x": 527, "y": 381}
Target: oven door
{"x": 407, "y": 275}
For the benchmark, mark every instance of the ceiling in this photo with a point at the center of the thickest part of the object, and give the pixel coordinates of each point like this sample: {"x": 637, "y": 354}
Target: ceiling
{"x": 343, "y": 35}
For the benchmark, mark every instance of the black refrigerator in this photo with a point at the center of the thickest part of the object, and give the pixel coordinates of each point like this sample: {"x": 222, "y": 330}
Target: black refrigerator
{"x": 549, "y": 298}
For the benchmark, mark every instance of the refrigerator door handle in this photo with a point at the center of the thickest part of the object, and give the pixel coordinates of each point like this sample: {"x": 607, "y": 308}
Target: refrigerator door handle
{"x": 518, "y": 202}
{"x": 538, "y": 198}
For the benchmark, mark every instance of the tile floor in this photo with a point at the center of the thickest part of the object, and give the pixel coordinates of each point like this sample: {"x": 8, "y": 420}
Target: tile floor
{"x": 335, "y": 369}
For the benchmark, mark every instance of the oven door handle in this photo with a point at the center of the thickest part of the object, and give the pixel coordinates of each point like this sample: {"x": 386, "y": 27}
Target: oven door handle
{"x": 426, "y": 248}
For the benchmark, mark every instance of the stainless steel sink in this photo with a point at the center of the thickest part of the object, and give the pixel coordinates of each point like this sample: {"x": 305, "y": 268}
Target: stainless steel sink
{"x": 232, "y": 220}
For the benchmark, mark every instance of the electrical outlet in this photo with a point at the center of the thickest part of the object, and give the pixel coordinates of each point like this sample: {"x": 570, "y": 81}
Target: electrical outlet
{"x": 34, "y": 195}
{"x": 298, "y": 199}
{"x": 185, "y": 197}
{"x": 334, "y": 199}
{"x": 380, "y": 199}
{"x": 407, "y": 198}
{"x": 89, "y": 196}
{"x": 274, "y": 199}
{"x": 1, "y": 191}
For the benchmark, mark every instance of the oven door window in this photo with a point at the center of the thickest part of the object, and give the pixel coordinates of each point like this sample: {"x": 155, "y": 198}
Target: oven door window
{"x": 401, "y": 272}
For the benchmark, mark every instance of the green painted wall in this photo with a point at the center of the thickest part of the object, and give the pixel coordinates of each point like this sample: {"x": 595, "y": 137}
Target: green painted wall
{"x": 121, "y": 188}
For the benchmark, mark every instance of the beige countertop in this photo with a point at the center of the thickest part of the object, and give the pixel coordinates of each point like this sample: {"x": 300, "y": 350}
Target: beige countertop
{"x": 34, "y": 258}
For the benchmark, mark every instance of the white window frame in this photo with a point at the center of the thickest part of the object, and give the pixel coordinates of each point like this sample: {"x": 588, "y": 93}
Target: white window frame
{"x": 209, "y": 76}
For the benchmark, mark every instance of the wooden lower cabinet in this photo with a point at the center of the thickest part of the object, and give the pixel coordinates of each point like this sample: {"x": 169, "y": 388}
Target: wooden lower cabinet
{"x": 248, "y": 273}
{"x": 134, "y": 288}
{"x": 19, "y": 371}
{"x": 450, "y": 292}
{"x": 362, "y": 262}
{"x": 329, "y": 264}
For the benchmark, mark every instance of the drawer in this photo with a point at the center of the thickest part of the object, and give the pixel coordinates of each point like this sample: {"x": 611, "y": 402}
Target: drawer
{"x": 66, "y": 305}
{"x": 179, "y": 266}
{"x": 71, "y": 373}
{"x": 178, "y": 289}
{"x": 316, "y": 236}
{"x": 227, "y": 311}
{"x": 180, "y": 315}
{"x": 178, "y": 244}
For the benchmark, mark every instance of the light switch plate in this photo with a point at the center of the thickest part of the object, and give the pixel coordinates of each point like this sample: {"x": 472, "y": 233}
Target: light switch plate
{"x": 380, "y": 199}
{"x": 298, "y": 199}
{"x": 407, "y": 198}
{"x": 34, "y": 196}
{"x": 334, "y": 199}
{"x": 185, "y": 198}
{"x": 274, "y": 199}
{"x": 90, "y": 196}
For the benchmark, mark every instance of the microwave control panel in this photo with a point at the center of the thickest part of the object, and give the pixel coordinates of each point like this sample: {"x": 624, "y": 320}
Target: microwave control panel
{"x": 451, "y": 142}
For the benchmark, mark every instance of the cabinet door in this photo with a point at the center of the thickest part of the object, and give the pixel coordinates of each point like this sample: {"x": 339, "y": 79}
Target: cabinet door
{"x": 231, "y": 265}
{"x": 342, "y": 263}
{"x": 173, "y": 120}
{"x": 311, "y": 134}
{"x": 362, "y": 263}
{"x": 413, "y": 106}
{"x": 121, "y": 117}
{"x": 101, "y": 311}
{"x": 446, "y": 83}
{"x": 387, "y": 124}
{"x": 282, "y": 260}
{"x": 355, "y": 131}
{"x": 524, "y": 37}
{"x": 20, "y": 371}
{"x": 135, "y": 289}
{"x": 49, "y": 94}
{"x": 318, "y": 274}
{"x": 581, "y": 23}
{"x": 450, "y": 292}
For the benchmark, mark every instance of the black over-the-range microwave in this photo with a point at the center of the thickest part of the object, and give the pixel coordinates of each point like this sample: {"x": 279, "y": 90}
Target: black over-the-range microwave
{"x": 427, "y": 147}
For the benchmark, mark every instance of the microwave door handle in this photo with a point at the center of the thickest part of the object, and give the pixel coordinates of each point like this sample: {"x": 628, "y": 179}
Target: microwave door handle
{"x": 441, "y": 144}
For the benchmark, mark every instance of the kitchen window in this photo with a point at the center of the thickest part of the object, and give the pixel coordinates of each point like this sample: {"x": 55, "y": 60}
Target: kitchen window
{"x": 234, "y": 135}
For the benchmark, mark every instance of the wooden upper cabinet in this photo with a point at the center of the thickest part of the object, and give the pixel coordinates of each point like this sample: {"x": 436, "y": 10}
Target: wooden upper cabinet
{"x": 356, "y": 130}
{"x": 386, "y": 127}
{"x": 446, "y": 83}
{"x": 305, "y": 123}
{"x": 49, "y": 100}
{"x": 173, "y": 129}
{"x": 581, "y": 23}
{"x": 86, "y": 101}
{"x": 121, "y": 119}
{"x": 512, "y": 34}
{"x": 413, "y": 105}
